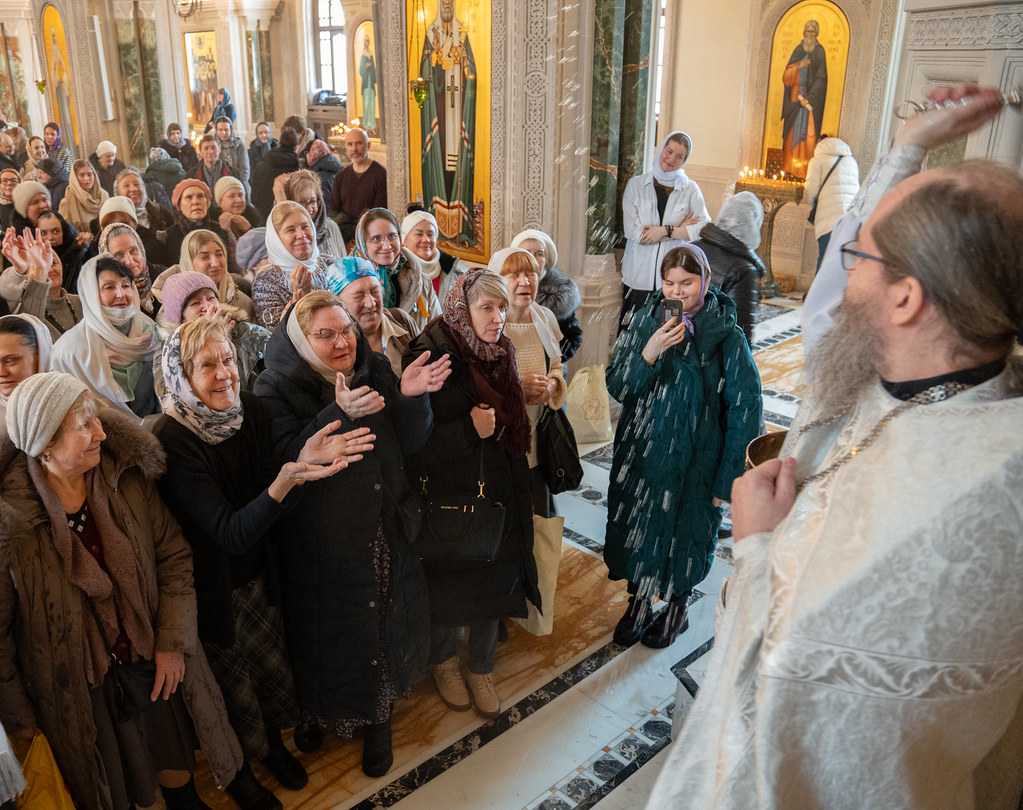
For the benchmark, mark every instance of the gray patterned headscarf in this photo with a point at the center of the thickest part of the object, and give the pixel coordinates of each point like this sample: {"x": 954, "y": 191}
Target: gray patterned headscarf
{"x": 181, "y": 403}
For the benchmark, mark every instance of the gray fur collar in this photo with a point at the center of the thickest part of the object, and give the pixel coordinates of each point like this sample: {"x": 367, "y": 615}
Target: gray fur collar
{"x": 558, "y": 293}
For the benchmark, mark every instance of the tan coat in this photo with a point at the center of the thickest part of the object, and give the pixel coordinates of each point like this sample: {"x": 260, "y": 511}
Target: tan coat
{"x": 413, "y": 285}
{"x": 42, "y": 666}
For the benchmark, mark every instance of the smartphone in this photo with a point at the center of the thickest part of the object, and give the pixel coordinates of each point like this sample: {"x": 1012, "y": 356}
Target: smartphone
{"x": 671, "y": 309}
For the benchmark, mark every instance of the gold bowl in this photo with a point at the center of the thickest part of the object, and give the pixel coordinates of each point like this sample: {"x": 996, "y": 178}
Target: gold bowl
{"x": 765, "y": 447}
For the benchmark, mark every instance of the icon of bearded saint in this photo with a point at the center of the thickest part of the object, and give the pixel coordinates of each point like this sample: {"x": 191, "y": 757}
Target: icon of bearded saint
{"x": 806, "y": 86}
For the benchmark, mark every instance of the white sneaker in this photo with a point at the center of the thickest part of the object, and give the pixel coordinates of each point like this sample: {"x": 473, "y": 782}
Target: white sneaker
{"x": 451, "y": 686}
{"x": 484, "y": 693}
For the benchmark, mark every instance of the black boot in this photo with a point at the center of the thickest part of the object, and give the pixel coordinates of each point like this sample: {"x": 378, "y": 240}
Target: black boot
{"x": 183, "y": 798}
{"x": 247, "y": 791}
{"x": 636, "y": 619}
{"x": 670, "y": 623}
{"x": 377, "y": 756}
{"x": 308, "y": 736}
{"x": 282, "y": 764}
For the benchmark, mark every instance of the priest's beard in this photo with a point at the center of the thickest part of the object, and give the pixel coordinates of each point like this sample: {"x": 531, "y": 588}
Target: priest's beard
{"x": 847, "y": 361}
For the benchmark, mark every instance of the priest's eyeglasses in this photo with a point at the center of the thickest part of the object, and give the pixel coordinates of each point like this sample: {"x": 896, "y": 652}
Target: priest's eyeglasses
{"x": 850, "y": 255}
{"x": 330, "y": 335}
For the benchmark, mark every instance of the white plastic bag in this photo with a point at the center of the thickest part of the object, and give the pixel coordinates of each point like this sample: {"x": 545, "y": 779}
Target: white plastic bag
{"x": 547, "y": 534}
{"x": 589, "y": 407}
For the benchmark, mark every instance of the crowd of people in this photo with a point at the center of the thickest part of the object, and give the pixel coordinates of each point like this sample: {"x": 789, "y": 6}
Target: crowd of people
{"x": 234, "y": 386}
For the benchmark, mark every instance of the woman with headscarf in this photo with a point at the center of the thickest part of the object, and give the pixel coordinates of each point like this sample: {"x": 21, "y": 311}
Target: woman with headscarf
{"x": 237, "y": 215}
{"x": 388, "y": 331}
{"x": 481, "y": 428}
{"x": 261, "y": 144}
{"x": 304, "y": 188}
{"x": 556, "y": 291}
{"x": 690, "y": 396}
{"x": 661, "y": 210}
{"x": 36, "y": 152}
{"x": 84, "y": 196}
{"x": 111, "y": 350}
{"x": 191, "y": 200}
{"x": 226, "y": 490}
{"x": 102, "y": 572}
{"x": 125, "y": 244}
{"x": 33, "y": 281}
{"x": 52, "y": 137}
{"x": 405, "y": 285}
{"x": 419, "y": 234}
{"x": 181, "y": 149}
{"x": 204, "y": 252}
{"x": 150, "y": 214}
{"x": 352, "y": 585}
{"x": 533, "y": 331}
{"x": 297, "y": 266}
{"x": 25, "y": 349}
{"x": 730, "y": 246}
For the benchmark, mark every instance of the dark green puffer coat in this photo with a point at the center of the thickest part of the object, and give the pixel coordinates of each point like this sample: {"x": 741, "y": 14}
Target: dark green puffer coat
{"x": 681, "y": 441}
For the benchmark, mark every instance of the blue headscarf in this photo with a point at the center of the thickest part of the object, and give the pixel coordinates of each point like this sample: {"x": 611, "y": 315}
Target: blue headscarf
{"x": 348, "y": 269}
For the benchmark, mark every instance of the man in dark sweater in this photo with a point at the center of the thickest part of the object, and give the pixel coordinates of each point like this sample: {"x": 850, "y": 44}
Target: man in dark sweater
{"x": 358, "y": 187}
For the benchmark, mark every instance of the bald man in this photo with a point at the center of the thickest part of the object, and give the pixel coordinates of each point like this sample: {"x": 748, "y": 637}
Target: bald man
{"x": 869, "y": 644}
{"x": 8, "y": 160}
{"x": 358, "y": 187}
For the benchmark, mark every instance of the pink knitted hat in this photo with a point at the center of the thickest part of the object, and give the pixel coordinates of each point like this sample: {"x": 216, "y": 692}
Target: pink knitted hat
{"x": 179, "y": 288}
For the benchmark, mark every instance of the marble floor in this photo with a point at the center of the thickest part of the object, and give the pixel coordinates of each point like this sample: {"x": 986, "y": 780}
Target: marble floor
{"x": 585, "y": 722}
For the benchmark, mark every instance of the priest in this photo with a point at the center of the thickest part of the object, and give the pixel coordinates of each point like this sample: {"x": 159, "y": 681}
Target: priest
{"x": 869, "y": 645}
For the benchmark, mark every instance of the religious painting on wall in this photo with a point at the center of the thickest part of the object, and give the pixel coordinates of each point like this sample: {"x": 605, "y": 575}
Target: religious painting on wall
{"x": 58, "y": 76}
{"x": 807, "y": 78}
{"x": 450, "y": 134}
{"x": 12, "y": 79}
{"x": 201, "y": 75}
{"x": 367, "y": 86}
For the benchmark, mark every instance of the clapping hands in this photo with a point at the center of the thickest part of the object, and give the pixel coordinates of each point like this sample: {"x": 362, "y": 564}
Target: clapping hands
{"x": 363, "y": 401}
{"x": 421, "y": 377}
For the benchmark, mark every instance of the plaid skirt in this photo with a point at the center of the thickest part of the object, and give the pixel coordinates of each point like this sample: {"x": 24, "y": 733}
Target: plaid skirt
{"x": 254, "y": 673}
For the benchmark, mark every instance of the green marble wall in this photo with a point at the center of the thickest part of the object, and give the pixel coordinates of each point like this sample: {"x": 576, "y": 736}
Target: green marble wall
{"x": 605, "y": 118}
{"x": 260, "y": 78}
{"x": 132, "y": 95}
{"x": 265, "y": 71}
{"x": 636, "y": 62}
{"x": 151, "y": 86}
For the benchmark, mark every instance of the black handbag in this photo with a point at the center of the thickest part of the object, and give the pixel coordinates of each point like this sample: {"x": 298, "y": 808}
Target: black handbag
{"x": 557, "y": 455}
{"x": 812, "y": 216}
{"x": 133, "y": 688}
{"x": 461, "y": 528}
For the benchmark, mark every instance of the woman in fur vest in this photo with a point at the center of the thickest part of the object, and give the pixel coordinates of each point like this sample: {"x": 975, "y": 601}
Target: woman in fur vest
{"x": 556, "y": 291}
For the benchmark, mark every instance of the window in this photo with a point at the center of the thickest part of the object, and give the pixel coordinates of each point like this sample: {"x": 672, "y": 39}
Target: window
{"x": 331, "y": 50}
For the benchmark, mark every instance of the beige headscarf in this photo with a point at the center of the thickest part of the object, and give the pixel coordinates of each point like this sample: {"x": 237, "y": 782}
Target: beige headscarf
{"x": 81, "y": 207}
{"x": 227, "y": 290}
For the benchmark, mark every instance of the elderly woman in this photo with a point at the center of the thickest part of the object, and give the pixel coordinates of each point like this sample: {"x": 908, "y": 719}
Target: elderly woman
{"x": 103, "y": 573}
{"x": 111, "y": 350}
{"x": 32, "y": 210}
{"x": 25, "y": 348}
{"x": 150, "y": 215}
{"x": 556, "y": 291}
{"x": 191, "y": 200}
{"x": 661, "y": 209}
{"x": 405, "y": 284}
{"x": 533, "y": 331}
{"x": 224, "y": 487}
{"x": 188, "y": 296}
{"x": 83, "y": 198}
{"x": 31, "y": 200}
{"x": 352, "y": 587}
{"x": 304, "y": 188}
{"x": 297, "y": 266}
{"x": 34, "y": 281}
{"x": 125, "y": 244}
{"x": 481, "y": 428}
{"x": 419, "y": 234}
{"x": 729, "y": 245}
{"x": 237, "y": 215}
{"x": 690, "y": 397}
{"x": 203, "y": 251}
{"x": 388, "y": 331}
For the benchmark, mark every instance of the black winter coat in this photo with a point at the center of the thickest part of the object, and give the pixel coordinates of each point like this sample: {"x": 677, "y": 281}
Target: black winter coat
{"x": 734, "y": 270}
{"x": 327, "y": 168}
{"x": 185, "y": 154}
{"x": 560, "y": 295}
{"x": 277, "y": 161}
{"x": 461, "y": 593}
{"x": 332, "y": 613}
{"x": 259, "y": 150}
{"x": 219, "y": 495}
{"x": 107, "y": 176}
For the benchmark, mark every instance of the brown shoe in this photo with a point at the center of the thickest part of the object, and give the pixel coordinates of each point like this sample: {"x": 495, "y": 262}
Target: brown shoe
{"x": 451, "y": 686}
{"x": 484, "y": 693}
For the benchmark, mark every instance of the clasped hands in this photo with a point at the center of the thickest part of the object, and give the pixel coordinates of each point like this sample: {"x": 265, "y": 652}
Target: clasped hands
{"x": 538, "y": 388}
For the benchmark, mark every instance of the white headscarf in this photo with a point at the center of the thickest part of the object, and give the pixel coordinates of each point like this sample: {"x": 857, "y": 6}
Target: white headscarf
{"x": 279, "y": 255}
{"x": 741, "y": 216}
{"x": 678, "y": 176}
{"x": 90, "y": 346}
{"x": 182, "y": 405}
{"x": 431, "y": 266}
{"x": 549, "y": 249}
{"x": 44, "y": 349}
{"x": 540, "y": 316}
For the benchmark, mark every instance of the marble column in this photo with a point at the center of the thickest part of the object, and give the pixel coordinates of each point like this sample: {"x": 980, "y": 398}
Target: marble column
{"x": 257, "y": 44}
{"x": 133, "y": 96}
{"x": 149, "y": 59}
{"x": 635, "y": 95}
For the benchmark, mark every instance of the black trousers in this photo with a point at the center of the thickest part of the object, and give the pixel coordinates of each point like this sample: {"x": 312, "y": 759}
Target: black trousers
{"x": 633, "y": 301}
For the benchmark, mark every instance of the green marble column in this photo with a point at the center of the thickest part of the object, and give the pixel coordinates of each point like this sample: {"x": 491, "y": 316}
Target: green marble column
{"x": 134, "y": 99}
{"x": 151, "y": 86}
{"x": 605, "y": 117}
{"x": 260, "y": 78}
{"x": 637, "y": 56}
{"x": 266, "y": 87}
